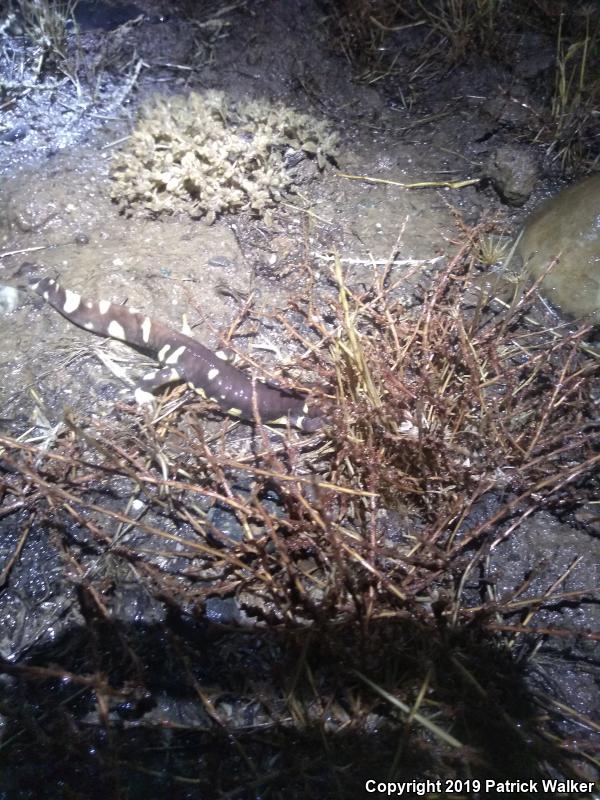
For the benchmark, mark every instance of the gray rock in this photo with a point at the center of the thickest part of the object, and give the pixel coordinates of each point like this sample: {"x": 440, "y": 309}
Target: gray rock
{"x": 564, "y": 233}
{"x": 514, "y": 173}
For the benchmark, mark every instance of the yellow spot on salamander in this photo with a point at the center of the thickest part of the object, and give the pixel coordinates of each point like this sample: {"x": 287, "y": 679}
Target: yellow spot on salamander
{"x": 235, "y": 412}
{"x": 198, "y": 389}
{"x": 297, "y": 422}
{"x": 103, "y": 306}
{"x": 278, "y": 421}
{"x": 220, "y": 354}
{"x": 212, "y": 373}
{"x": 115, "y": 329}
{"x": 175, "y": 355}
{"x": 163, "y": 352}
{"x": 72, "y": 301}
{"x": 146, "y": 328}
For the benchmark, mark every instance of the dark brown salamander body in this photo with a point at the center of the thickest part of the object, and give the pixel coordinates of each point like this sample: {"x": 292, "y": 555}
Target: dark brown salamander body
{"x": 181, "y": 358}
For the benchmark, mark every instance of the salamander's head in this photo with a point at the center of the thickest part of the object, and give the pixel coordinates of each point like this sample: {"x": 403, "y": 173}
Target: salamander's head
{"x": 312, "y": 423}
{"x": 310, "y": 420}
{"x": 27, "y": 274}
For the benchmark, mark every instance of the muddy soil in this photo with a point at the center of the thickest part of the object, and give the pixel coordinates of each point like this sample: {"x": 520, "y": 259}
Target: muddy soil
{"x": 59, "y": 132}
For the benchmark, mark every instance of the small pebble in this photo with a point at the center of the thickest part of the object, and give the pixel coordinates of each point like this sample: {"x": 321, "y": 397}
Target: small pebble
{"x": 14, "y": 134}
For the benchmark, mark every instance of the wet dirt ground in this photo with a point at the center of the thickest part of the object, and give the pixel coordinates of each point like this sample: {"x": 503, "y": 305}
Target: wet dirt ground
{"x": 55, "y": 209}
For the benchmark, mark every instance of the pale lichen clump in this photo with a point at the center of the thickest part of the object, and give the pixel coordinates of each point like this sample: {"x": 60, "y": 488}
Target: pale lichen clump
{"x": 202, "y": 155}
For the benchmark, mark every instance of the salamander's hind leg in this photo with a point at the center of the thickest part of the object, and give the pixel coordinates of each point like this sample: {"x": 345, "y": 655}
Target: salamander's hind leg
{"x": 153, "y": 380}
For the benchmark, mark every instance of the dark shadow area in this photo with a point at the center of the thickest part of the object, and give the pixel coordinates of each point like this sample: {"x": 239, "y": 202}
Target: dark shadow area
{"x": 199, "y": 711}
{"x": 194, "y": 609}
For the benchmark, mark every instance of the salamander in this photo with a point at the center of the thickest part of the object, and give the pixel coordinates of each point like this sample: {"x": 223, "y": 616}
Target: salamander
{"x": 181, "y": 358}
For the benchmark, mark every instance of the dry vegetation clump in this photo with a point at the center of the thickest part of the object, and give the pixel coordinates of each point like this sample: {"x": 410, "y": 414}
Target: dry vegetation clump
{"x": 46, "y": 24}
{"x": 34, "y": 40}
{"x": 436, "y": 410}
{"x": 370, "y": 32}
{"x": 101, "y": 48}
{"x": 204, "y": 154}
{"x": 417, "y": 43}
{"x": 41, "y": 44}
{"x": 342, "y": 557}
{"x": 573, "y": 129}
